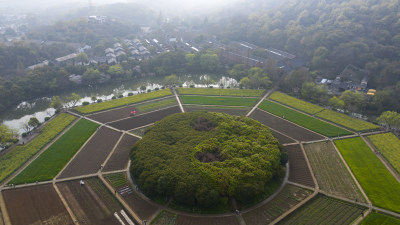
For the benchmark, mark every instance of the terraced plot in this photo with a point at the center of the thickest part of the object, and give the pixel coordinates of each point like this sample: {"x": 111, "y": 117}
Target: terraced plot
{"x": 378, "y": 183}
{"x": 93, "y": 155}
{"x": 120, "y": 157}
{"x": 295, "y": 103}
{"x": 381, "y": 219}
{"x": 389, "y": 145}
{"x": 285, "y": 127}
{"x": 324, "y": 210}
{"x": 221, "y": 92}
{"x": 234, "y": 111}
{"x": 303, "y": 120}
{"x": 198, "y": 220}
{"x": 286, "y": 199}
{"x": 346, "y": 121}
{"x": 330, "y": 172}
{"x": 298, "y": 169}
{"x": 54, "y": 159}
{"x": 227, "y": 101}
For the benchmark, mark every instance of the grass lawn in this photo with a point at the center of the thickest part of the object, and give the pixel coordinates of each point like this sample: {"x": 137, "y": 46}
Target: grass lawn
{"x": 20, "y": 154}
{"x": 231, "y": 101}
{"x": 303, "y": 120}
{"x": 346, "y": 121}
{"x": 217, "y": 91}
{"x": 145, "y": 107}
{"x": 378, "y": 183}
{"x": 381, "y": 219}
{"x": 51, "y": 161}
{"x": 389, "y": 145}
{"x": 122, "y": 101}
{"x": 295, "y": 103}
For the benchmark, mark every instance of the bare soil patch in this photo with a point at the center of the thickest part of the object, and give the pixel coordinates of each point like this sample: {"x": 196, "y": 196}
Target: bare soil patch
{"x": 282, "y": 138}
{"x": 193, "y": 220}
{"x": 231, "y": 111}
{"x": 120, "y": 157}
{"x": 298, "y": 169}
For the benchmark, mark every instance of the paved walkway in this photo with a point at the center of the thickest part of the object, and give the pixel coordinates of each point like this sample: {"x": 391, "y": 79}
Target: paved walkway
{"x": 178, "y": 99}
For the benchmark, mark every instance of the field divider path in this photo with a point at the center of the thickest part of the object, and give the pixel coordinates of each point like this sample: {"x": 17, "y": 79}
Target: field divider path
{"x": 73, "y": 157}
{"x": 344, "y": 199}
{"x": 386, "y": 211}
{"x": 260, "y": 101}
{"x": 224, "y": 106}
{"x": 33, "y": 158}
{"x": 27, "y": 185}
{"x": 6, "y": 218}
{"x": 309, "y": 167}
{"x": 382, "y": 159}
{"x": 296, "y": 141}
{"x": 114, "y": 171}
{"x": 69, "y": 210}
{"x": 137, "y": 128}
{"x": 301, "y": 186}
{"x": 134, "y": 135}
{"x": 76, "y": 178}
{"x": 178, "y": 99}
{"x": 112, "y": 151}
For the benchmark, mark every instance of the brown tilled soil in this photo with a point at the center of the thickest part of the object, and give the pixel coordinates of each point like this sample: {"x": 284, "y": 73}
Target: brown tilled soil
{"x": 283, "y": 126}
{"x": 232, "y": 111}
{"x": 35, "y": 205}
{"x": 282, "y": 138}
{"x": 145, "y": 119}
{"x": 90, "y": 158}
{"x": 141, "y": 207}
{"x": 119, "y": 159}
{"x": 193, "y": 220}
{"x": 298, "y": 169}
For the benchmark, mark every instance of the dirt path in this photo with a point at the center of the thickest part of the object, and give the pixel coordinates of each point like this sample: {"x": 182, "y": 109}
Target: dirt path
{"x": 259, "y": 102}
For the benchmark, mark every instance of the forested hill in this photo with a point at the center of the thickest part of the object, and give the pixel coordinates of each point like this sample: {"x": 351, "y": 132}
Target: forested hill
{"x": 329, "y": 33}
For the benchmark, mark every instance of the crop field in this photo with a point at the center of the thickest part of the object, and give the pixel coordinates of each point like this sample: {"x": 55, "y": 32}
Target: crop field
{"x": 93, "y": 155}
{"x": 303, "y": 120}
{"x": 330, "y": 172}
{"x": 194, "y": 220}
{"x": 164, "y": 218}
{"x": 116, "y": 180}
{"x": 35, "y": 205}
{"x": 389, "y": 145}
{"x": 150, "y": 106}
{"x": 123, "y": 101}
{"x": 234, "y": 111}
{"x": 298, "y": 169}
{"x": 15, "y": 158}
{"x": 378, "y": 218}
{"x": 91, "y": 203}
{"x": 378, "y": 183}
{"x": 221, "y": 92}
{"x": 346, "y": 121}
{"x": 51, "y": 161}
{"x": 324, "y": 210}
{"x": 120, "y": 157}
{"x": 285, "y": 127}
{"x": 282, "y": 138}
{"x": 286, "y": 199}
{"x": 140, "y": 131}
{"x": 295, "y": 103}
{"x": 228, "y": 101}
{"x": 145, "y": 119}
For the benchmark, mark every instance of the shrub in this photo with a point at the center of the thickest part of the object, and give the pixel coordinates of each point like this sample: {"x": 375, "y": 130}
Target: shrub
{"x": 46, "y": 118}
{"x": 162, "y": 87}
{"x": 120, "y": 96}
{"x": 113, "y": 97}
{"x": 211, "y": 86}
{"x": 99, "y": 100}
{"x": 180, "y": 85}
{"x": 130, "y": 94}
{"x": 85, "y": 103}
{"x": 191, "y": 86}
{"x": 157, "y": 89}
{"x": 148, "y": 90}
{"x": 24, "y": 134}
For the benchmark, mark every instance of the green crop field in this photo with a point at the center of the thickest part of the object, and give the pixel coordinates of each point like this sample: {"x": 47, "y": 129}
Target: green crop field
{"x": 330, "y": 172}
{"x": 231, "y": 101}
{"x": 324, "y": 210}
{"x": 378, "y": 183}
{"x": 347, "y": 121}
{"x": 116, "y": 180}
{"x": 296, "y": 103}
{"x": 303, "y": 120}
{"x": 217, "y": 91}
{"x": 164, "y": 218}
{"x": 20, "y": 154}
{"x": 380, "y": 219}
{"x": 145, "y": 107}
{"x": 389, "y": 145}
{"x": 51, "y": 161}
{"x": 123, "y": 101}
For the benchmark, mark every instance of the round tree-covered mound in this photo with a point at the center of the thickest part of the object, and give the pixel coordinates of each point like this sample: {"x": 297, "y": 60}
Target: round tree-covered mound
{"x": 203, "y": 158}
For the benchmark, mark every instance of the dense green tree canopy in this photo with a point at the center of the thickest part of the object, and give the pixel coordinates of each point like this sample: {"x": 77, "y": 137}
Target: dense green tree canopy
{"x": 200, "y": 157}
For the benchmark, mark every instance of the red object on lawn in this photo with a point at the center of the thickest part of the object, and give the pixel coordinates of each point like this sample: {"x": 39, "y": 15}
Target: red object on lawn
{"x": 133, "y": 112}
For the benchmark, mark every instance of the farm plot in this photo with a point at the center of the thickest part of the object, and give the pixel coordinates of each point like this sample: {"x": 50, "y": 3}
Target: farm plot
{"x": 143, "y": 208}
{"x": 330, "y": 172}
{"x": 234, "y": 111}
{"x": 93, "y": 155}
{"x": 282, "y": 138}
{"x": 381, "y": 219}
{"x": 285, "y": 127}
{"x": 227, "y": 101}
{"x": 120, "y": 157}
{"x": 298, "y": 169}
{"x": 221, "y": 92}
{"x": 164, "y": 218}
{"x": 286, "y": 199}
{"x": 145, "y": 119}
{"x": 295, "y": 103}
{"x": 35, "y": 205}
{"x": 389, "y": 145}
{"x": 122, "y": 101}
{"x": 124, "y": 112}
{"x": 91, "y": 203}
{"x": 193, "y": 220}
{"x": 51, "y": 161}
{"x": 324, "y": 210}
{"x": 378, "y": 183}
{"x": 346, "y": 121}
{"x": 15, "y": 158}
{"x": 303, "y": 120}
